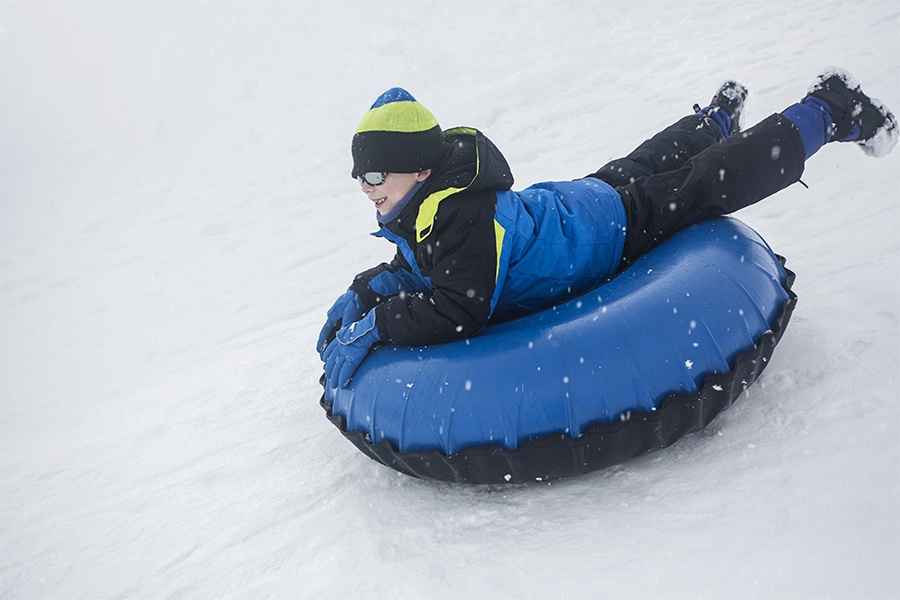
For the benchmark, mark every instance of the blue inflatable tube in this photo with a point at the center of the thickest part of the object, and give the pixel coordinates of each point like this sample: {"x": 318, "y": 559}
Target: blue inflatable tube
{"x": 629, "y": 367}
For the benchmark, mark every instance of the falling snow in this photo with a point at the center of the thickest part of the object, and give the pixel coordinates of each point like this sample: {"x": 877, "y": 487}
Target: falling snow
{"x": 177, "y": 215}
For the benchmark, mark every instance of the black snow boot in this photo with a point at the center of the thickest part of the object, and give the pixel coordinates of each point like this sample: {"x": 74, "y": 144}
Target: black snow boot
{"x": 729, "y": 98}
{"x": 856, "y": 117}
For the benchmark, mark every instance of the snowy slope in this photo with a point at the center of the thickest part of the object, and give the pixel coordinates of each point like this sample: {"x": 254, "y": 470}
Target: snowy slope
{"x": 177, "y": 215}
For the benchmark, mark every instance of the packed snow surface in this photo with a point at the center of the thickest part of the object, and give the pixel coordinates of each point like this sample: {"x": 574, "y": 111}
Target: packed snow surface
{"x": 178, "y": 214}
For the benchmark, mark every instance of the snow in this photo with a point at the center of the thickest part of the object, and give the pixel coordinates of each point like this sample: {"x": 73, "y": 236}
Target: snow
{"x": 177, "y": 215}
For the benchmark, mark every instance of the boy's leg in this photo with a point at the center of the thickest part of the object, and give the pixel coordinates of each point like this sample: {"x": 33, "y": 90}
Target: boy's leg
{"x": 669, "y": 149}
{"x": 666, "y": 151}
{"x": 720, "y": 180}
{"x": 746, "y": 168}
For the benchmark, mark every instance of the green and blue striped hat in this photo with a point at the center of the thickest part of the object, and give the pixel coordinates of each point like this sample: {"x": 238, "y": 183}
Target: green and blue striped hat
{"x": 397, "y": 135}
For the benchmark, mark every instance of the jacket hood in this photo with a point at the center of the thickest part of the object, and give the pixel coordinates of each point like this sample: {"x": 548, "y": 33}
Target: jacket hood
{"x": 471, "y": 163}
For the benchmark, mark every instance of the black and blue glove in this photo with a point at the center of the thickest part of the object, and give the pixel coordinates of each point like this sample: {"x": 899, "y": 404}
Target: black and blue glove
{"x": 348, "y": 350}
{"x": 348, "y": 308}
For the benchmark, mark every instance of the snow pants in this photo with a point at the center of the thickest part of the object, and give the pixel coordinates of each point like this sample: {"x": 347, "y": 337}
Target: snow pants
{"x": 687, "y": 173}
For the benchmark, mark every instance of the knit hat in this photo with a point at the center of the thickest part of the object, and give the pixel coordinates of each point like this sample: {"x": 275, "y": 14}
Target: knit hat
{"x": 397, "y": 135}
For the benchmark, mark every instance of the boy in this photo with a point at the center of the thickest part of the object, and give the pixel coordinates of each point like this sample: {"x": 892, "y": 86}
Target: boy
{"x": 470, "y": 250}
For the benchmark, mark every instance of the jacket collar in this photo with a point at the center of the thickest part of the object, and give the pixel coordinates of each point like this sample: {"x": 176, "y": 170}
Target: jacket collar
{"x": 395, "y": 212}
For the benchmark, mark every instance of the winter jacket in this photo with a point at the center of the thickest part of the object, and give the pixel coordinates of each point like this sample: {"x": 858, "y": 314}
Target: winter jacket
{"x": 470, "y": 250}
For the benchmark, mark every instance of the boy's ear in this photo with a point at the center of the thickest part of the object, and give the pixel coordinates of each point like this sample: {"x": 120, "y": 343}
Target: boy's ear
{"x": 423, "y": 175}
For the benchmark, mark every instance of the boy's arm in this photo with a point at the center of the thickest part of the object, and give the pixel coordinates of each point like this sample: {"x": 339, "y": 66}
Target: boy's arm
{"x": 379, "y": 283}
{"x": 369, "y": 289}
{"x": 463, "y": 279}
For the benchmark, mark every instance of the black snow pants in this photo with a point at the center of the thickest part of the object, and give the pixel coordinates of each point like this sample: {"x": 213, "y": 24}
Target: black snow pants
{"x": 687, "y": 173}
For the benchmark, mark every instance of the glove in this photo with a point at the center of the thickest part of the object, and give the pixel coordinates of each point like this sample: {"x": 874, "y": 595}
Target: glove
{"x": 348, "y": 308}
{"x": 348, "y": 350}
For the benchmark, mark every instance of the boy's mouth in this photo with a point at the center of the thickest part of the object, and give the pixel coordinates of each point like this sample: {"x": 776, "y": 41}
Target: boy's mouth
{"x": 379, "y": 201}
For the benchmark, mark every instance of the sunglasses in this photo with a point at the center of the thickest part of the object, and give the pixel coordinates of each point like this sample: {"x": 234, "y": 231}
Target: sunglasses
{"x": 373, "y": 178}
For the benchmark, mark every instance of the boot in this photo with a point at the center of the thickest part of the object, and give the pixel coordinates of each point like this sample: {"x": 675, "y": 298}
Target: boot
{"x": 729, "y": 99}
{"x": 855, "y": 116}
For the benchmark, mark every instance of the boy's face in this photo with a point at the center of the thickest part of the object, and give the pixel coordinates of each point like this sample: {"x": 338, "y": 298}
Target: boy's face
{"x": 394, "y": 188}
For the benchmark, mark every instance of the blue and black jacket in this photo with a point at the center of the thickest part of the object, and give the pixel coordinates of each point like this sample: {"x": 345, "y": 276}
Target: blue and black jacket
{"x": 470, "y": 250}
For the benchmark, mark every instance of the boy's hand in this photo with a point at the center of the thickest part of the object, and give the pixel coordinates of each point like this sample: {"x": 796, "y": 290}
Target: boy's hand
{"x": 348, "y": 308}
{"x": 348, "y": 350}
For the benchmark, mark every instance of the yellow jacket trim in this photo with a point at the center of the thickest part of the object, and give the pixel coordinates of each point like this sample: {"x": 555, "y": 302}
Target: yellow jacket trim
{"x": 428, "y": 209}
{"x": 499, "y": 234}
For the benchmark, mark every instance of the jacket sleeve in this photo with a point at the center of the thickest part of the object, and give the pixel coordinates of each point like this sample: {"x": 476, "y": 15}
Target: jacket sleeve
{"x": 379, "y": 283}
{"x": 463, "y": 278}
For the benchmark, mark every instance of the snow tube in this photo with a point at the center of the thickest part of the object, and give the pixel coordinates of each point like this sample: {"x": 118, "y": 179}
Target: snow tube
{"x": 629, "y": 367}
